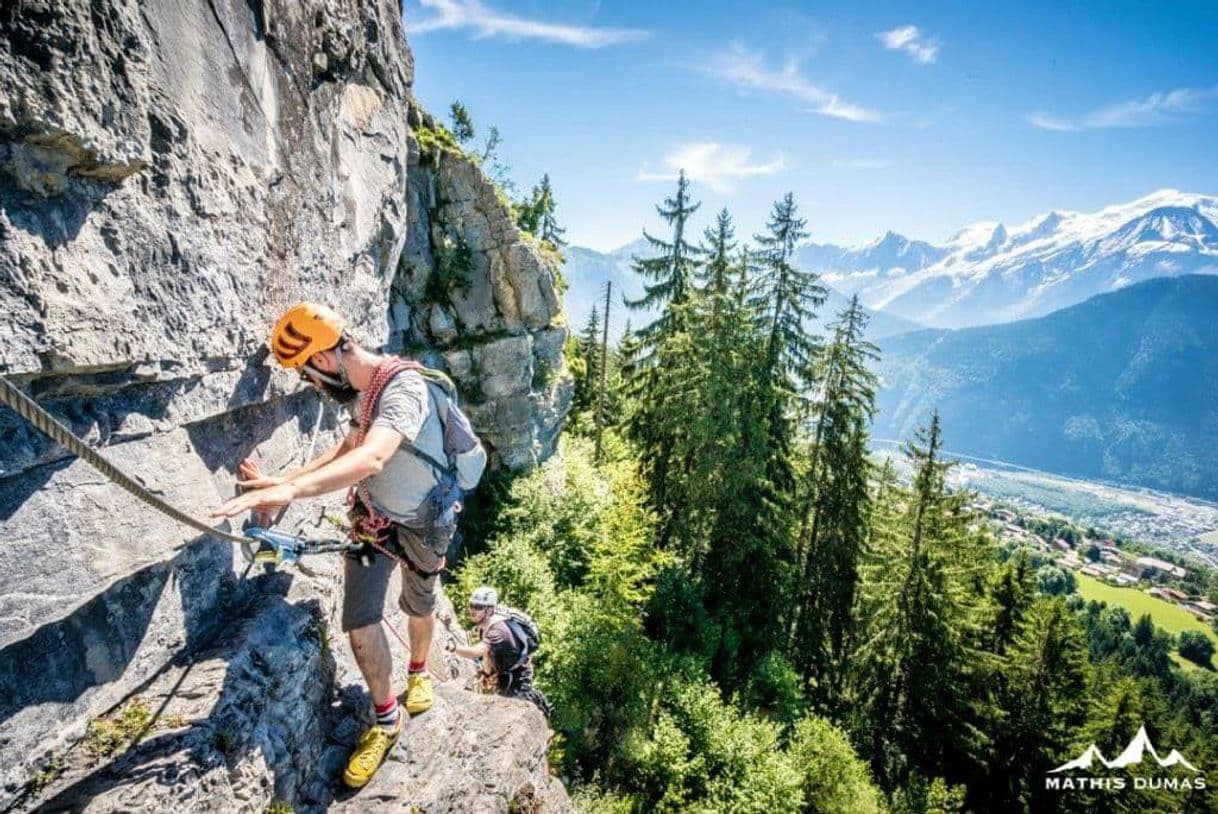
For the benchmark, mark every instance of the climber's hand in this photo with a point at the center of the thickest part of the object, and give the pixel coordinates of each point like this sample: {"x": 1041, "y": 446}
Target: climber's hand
{"x": 269, "y": 499}
{"x": 251, "y": 476}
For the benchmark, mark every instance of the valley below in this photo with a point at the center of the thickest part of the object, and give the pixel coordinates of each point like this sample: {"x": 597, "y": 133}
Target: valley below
{"x": 1185, "y": 525}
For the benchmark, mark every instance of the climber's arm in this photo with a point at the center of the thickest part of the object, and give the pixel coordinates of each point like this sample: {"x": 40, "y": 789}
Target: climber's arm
{"x": 477, "y": 651}
{"x": 367, "y": 459}
{"x": 363, "y": 461}
{"x": 252, "y": 477}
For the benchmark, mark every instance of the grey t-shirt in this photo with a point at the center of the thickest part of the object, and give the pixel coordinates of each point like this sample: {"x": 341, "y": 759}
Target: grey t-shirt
{"x": 398, "y": 490}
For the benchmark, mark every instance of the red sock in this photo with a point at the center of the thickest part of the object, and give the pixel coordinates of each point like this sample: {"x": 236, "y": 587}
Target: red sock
{"x": 418, "y": 666}
{"x": 387, "y": 713}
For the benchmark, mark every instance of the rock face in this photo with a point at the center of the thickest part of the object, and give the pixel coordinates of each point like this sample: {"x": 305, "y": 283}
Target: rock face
{"x": 483, "y": 297}
{"x": 172, "y": 175}
{"x": 270, "y": 707}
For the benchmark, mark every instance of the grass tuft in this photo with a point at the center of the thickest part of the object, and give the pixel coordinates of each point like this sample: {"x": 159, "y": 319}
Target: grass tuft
{"x": 121, "y": 731}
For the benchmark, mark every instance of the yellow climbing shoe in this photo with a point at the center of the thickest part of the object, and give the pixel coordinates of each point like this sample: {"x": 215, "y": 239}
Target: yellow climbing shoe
{"x": 419, "y": 694}
{"x": 374, "y": 744}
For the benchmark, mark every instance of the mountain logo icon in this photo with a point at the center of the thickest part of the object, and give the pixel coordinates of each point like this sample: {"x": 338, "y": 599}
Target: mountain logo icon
{"x": 1133, "y": 754}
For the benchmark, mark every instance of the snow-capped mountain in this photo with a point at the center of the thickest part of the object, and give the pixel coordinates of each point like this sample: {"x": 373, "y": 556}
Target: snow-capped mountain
{"x": 586, "y": 271}
{"x": 989, "y": 273}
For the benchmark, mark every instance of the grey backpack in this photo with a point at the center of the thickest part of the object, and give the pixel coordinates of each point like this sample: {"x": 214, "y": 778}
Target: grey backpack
{"x": 459, "y": 474}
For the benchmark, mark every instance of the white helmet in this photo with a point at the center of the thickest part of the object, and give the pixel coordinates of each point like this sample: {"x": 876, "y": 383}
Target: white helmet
{"x": 484, "y": 596}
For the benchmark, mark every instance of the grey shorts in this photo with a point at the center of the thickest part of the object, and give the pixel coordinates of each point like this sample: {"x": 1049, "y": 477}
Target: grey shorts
{"x": 365, "y": 586}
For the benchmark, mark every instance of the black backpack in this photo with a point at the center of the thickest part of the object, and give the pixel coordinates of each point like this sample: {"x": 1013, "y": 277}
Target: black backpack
{"x": 524, "y": 630}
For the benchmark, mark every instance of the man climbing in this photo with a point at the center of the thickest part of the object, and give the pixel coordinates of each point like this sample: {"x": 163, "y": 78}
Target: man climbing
{"x": 391, "y": 458}
{"x": 507, "y": 639}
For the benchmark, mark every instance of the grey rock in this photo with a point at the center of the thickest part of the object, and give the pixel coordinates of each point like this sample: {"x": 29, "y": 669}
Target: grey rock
{"x": 441, "y": 324}
{"x": 172, "y": 175}
{"x": 505, "y": 366}
{"x": 189, "y": 167}
{"x": 508, "y": 298}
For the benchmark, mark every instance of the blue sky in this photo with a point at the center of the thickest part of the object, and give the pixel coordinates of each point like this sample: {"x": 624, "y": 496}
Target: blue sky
{"x": 920, "y": 118}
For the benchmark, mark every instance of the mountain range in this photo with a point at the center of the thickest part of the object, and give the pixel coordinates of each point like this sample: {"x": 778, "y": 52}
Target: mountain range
{"x": 985, "y": 274}
{"x": 989, "y": 273}
{"x": 586, "y": 271}
{"x": 1121, "y": 387}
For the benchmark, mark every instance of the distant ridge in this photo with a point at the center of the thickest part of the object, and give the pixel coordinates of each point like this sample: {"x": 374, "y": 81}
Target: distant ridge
{"x": 1122, "y": 387}
{"x": 586, "y": 271}
{"x": 988, "y": 273}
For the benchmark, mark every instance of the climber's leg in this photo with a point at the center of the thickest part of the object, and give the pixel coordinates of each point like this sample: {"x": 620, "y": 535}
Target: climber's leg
{"x": 420, "y": 585}
{"x": 420, "y": 630}
{"x": 371, "y": 650}
{"x": 364, "y": 590}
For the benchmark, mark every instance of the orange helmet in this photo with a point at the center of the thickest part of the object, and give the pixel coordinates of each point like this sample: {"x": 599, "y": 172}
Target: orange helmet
{"x": 305, "y": 329}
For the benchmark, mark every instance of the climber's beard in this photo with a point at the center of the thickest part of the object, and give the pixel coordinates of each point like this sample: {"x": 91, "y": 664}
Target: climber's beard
{"x": 342, "y": 395}
{"x": 339, "y": 390}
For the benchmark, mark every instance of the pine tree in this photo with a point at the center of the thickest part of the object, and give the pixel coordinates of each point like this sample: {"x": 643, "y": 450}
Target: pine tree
{"x": 719, "y": 327}
{"x": 1043, "y": 699}
{"x": 715, "y": 275}
{"x": 550, "y": 231}
{"x": 788, "y": 297}
{"x": 912, "y": 700}
{"x": 528, "y": 212}
{"x": 462, "y": 124}
{"x": 663, "y": 382}
{"x": 836, "y": 510}
{"x": 589, "y": 353}
{"x": 1011, "y": 594}
{"x": 671, "y": 268}
{"x": 602, "y": 394}
{"x": 743, "y": 565}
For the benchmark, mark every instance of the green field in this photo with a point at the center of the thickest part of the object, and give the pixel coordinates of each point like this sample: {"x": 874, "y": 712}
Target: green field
{"x": 1210, "y": 537}
{"x": 1167, "y": 616}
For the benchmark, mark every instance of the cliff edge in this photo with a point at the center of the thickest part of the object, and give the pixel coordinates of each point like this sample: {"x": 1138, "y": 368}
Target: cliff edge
{"x": 173, "y": 175}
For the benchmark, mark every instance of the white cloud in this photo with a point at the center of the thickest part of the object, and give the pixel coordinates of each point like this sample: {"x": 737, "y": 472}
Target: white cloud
{"x": 1047, "y": 122}
{"x": 1159, "y": 108}
{"x": 747, "y": 70}
{"x": 719, "y": 166}
{"x": 485, "y": 22}
{"x": 911, "y": 40}
{"x": 862, "y": 163}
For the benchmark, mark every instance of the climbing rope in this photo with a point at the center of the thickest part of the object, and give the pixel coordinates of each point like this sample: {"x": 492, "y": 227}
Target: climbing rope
{"x": 28, "y": 409}
{"x": 274, "y": 547}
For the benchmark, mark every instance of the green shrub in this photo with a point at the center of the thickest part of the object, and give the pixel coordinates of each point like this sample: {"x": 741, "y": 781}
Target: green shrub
{"x": 1196, "y": 647}
{"x": 705, "y": 755}
{"x": 774, "y": 688}
{"x": 833, "y": 778}
{"x": 452, "y": 272}
{"x": 48, "y": 774}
